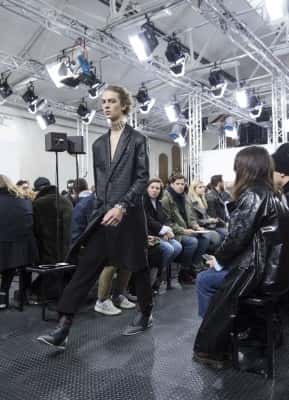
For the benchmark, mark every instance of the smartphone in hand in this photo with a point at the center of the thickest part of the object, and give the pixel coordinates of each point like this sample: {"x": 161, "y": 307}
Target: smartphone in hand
{"x": 206, "y": 257}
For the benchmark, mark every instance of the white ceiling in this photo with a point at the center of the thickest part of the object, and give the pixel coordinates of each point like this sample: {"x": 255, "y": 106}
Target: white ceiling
{"x": 21, "y": 35}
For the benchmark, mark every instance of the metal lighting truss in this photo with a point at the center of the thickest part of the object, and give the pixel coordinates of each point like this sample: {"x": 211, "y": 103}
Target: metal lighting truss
{"x": 14, "y": 63}
{"x": 54, "y": 20}
{"x": 219, "y": 15}
{"x": 279, "y": 112}
{"x": 195, "y": 136}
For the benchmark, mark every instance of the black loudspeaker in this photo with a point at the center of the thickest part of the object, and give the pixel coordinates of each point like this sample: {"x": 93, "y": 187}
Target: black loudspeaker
{"x": 75, "y": 145}
{"x": 55, "y": 141}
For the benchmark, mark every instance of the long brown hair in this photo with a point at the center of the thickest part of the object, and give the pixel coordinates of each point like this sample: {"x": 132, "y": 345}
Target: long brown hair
{"x": 157, "y": 180}
{"x": 252, "y": 165}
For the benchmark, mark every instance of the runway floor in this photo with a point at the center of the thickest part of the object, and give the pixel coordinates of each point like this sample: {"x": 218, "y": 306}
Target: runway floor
{"x": 101, "y": 364}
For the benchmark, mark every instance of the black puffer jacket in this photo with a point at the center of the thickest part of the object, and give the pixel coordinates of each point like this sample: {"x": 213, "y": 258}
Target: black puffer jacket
{"x": 257, "y": 262}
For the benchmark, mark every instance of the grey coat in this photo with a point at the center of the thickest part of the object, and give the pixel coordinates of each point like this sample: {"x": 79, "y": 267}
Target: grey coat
{"x": 120, "y": 181}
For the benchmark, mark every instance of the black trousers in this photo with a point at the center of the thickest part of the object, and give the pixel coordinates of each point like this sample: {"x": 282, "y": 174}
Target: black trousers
{"x": 90, "y": 265}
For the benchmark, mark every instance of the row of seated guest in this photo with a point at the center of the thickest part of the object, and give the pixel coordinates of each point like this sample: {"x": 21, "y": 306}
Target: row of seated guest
{"x": 17, "y": 242}
{"x": 36, "y": 220}
{"x": 195, "y": 239}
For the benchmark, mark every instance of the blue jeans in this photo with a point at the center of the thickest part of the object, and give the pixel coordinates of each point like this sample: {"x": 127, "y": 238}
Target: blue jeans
{"x": 208, "y": 282}
{"x": 190, "y": 245}
{"x": 170, "y": 250}
{"x": 203, "y": 245}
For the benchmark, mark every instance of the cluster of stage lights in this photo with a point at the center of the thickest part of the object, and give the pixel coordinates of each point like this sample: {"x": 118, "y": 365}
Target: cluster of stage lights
{"x": 146, "y": 41}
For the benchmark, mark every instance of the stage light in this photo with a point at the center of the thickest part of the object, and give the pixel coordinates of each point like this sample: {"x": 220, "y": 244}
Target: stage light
{"x": 218, "y": 83}
{"x": 5, "y": 90}
{"x": 85, "y": 114}
{"x": 242, "y": 98}
{"x": 276, "y": 9}
{"x": 179, "y": 134}
{"x": 231, "y": 128}
{"x": 172, "y": 111}
{"x": 35, "y": 103}
{"x": 45, "y": 119}
{"x": 145, "y": 101}
{"x": 255, "y": 106}
{"x": 96, "y": 89}
{"x": 64, "y": 73}
{"x": 177, "y": 54}
{"x": 144, "y": 43}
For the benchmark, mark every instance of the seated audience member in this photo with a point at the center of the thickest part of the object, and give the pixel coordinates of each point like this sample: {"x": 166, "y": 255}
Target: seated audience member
{"x": 157, "y": 223}
{"x": 281, "y": 172}
{"x": 70, "y": 194}
{"x": 238, "y": 268}
{"x": 17, "y": 242}
{"x": 199, "y": 204}
{"x": 216, "y": 205}
{"x": 180, "y": 215}
{"x": 80, "y": 189}
{"x": 25, "y": 189}
{"x": 45, "y": 228}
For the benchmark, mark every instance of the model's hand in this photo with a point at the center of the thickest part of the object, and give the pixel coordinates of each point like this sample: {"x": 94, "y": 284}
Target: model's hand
{"x": 113, "y": 217}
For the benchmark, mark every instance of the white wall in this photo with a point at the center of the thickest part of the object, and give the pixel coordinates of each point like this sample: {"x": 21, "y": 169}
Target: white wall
{"x": 23, "y": 155}
{"x": 215, "y": 162}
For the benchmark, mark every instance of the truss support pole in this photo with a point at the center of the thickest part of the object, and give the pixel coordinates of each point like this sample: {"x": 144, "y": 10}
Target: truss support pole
{"x": 195, "y": 136}
{"x": 222, "y": 140}
{"x": 279, "y": 112}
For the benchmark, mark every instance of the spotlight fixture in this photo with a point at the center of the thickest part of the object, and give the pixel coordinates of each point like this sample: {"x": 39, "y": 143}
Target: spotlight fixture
{"x": 242, "y": 98}
{"x": 96, "y": 88}
{"x": 218, "y": 83}
{"x": 35, "y": 103}
{"x": 276, "y": 10}
{"x": 173, "y": 111}
{"x": 63, "y": 73}
{"x": 85, "y": 114}
{"x": 230, "y": 128}
{"x": 5, "y": 89}
{"x": 177, "y": 55}
{"x": 144, "y": 42}
{"x": 145, "y": 101}
{"x": 179, "y": 134}
{"x": 45, "y": 119}
{"x": 255, "y": 106}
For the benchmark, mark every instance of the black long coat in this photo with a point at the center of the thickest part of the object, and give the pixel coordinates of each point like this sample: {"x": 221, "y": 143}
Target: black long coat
{"x": 45, "y": 225}
{"x": 120, "y": 181}
{"x": 156, "y": 218}
{"x": 257, "y": 263}
{"x": 17, "y": 243}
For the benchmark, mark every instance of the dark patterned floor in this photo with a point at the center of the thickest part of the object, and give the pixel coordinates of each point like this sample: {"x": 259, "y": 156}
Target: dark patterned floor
{"x": 100, "y": 364}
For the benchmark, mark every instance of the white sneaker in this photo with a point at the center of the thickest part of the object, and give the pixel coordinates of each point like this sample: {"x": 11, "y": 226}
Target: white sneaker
{"x": 123, "y": 302}
{"x": 106, "y": 307}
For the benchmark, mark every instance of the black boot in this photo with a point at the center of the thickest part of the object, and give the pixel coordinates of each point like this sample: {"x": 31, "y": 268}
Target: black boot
{"x": 139, "y": 324}
{"x": 58, "y": 338}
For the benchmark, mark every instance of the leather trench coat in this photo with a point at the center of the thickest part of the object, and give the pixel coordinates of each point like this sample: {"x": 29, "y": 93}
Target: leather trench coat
{"x": 256, "y": 253}
{"x": 121, "y": 180}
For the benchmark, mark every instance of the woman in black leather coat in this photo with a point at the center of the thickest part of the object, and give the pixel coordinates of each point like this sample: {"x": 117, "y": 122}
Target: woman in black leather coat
{"x": 246, "y": 261}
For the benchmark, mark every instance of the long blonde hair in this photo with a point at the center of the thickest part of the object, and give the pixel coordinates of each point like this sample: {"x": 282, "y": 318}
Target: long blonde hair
{"x": 6, "y": 183}
{"x": 194, "y": 196}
